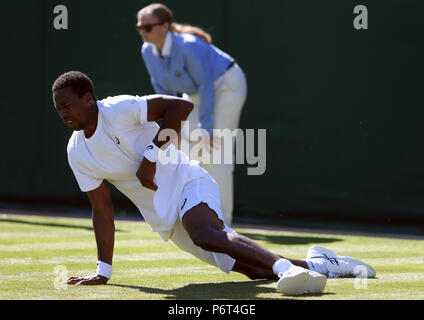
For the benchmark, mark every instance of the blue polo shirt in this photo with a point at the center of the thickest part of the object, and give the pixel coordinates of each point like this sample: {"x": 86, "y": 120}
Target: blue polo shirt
{"x": 188, "y": 65}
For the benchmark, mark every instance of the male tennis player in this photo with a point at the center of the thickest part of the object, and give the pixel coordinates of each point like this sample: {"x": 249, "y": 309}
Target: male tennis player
{"x": 117, "y": 140}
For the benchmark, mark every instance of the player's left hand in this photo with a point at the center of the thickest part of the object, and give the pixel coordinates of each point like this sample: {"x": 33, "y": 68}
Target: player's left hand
{"x": 87, "y": 281}
{"x": 146, "y": 174}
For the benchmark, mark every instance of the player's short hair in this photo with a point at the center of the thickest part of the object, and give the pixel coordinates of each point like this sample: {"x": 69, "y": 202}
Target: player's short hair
{"x": 78, "y": 81}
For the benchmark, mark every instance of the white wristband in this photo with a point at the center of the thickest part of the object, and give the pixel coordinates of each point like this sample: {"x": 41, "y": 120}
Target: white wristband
{"x": 104, "y": 269}
{"x": 152, "y": 152}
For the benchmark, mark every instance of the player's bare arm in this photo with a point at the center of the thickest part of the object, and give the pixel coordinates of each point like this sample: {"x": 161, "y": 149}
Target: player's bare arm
{"x": 104, "y": 231}
{"x": 172, "y": 111}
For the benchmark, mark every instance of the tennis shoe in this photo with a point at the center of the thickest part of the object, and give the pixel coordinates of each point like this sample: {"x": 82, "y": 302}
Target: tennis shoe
{"x": 297, "y": 281}
{"x": 340, "y": 266}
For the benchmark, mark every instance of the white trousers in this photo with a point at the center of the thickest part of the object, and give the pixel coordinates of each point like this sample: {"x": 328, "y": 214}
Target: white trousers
{"x": 230, "y": 96}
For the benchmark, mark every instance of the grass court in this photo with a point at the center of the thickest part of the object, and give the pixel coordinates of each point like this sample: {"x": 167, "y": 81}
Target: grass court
{"x": 38, "y": 253}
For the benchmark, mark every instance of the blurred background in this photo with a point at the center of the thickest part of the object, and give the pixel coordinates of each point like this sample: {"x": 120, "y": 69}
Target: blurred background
{"x": 343, "y": 108}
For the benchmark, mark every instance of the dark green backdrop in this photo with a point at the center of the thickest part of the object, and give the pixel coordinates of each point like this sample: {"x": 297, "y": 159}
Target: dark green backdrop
{"x": 343, "y": 108}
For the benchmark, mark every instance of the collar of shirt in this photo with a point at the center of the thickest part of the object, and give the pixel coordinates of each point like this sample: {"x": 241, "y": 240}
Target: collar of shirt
{"x": 167, "y": 46}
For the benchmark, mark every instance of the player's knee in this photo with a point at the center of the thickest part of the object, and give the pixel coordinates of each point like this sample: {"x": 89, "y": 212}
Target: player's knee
{"x": 200, "y": 237}
{"x": 207, "y": 238}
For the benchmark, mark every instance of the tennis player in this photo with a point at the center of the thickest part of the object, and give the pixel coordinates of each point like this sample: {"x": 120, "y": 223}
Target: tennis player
{"x": 117, "y": 140}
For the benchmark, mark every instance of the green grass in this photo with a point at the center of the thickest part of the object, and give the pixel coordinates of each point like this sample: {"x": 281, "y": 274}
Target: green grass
{"x": 37, "y": 253}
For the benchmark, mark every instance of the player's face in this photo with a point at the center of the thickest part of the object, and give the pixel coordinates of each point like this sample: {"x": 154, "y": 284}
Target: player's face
{"x": 156, "y": 33}
{"x": 72, "y": 109}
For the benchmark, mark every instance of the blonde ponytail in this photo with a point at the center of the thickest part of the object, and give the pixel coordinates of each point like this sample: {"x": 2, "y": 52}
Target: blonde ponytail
{"x": 185, "y": 28}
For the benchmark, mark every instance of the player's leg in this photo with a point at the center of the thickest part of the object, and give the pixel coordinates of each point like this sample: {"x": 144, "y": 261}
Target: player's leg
{"x": 207, "y": 231}
{"x": 202, "y": 219}
{"x": 217, "y": 244}
{"x": 227, "y": 264}
{"x": 253, "y": 272}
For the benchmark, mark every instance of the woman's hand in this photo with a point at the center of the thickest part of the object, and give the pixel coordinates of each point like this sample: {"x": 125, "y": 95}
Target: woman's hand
{"x": 211, "y": 142}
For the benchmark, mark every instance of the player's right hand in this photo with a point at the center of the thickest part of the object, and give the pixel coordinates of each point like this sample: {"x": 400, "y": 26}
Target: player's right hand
{"x": 87, "y": 281}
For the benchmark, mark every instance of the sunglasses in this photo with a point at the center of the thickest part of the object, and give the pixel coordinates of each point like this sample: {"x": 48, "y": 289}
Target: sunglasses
{"x": 148, "y": 27}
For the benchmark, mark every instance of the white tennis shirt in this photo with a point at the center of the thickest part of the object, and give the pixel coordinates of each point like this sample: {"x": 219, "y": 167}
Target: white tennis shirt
{"x": 114, "y": 153}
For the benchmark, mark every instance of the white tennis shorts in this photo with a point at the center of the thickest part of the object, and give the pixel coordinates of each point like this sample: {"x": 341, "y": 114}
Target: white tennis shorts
{"x": 201, "y": 190}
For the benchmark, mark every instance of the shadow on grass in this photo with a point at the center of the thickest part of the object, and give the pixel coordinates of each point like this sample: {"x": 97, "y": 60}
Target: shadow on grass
{"x": 50, "y": 224}
{"x": 288, "y": 240}
{"x": 249, "y": 290}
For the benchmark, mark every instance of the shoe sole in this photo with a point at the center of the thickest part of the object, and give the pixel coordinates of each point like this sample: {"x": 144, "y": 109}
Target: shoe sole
{"x": 301, "y": 282}
{"x": 318, "y": 283}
